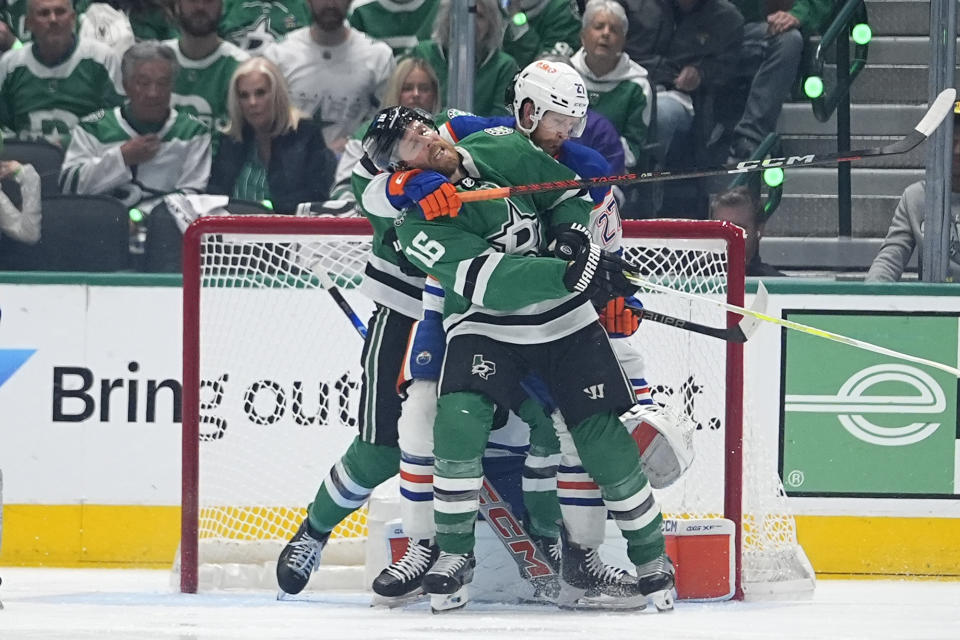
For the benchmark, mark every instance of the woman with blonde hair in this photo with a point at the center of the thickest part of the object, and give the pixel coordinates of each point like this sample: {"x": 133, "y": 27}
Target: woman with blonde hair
{"x": 413, "y": 84}
{"x": 269, "y": 150}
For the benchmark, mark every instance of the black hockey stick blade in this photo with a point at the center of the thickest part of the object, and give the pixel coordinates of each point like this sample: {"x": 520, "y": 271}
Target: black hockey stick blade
{"x": 740, "y": 333}
{"x": 941, "y": 107}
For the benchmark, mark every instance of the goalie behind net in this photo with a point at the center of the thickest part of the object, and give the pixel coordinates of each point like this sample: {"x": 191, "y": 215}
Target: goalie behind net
{"x": 276, "y": 370}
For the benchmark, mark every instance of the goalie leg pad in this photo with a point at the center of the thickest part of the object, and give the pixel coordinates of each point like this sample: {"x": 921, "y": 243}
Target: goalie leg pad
{"x": 666, "y": 447}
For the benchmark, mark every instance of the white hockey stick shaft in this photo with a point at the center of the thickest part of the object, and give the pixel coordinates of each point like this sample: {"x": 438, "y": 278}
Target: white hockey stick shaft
{"x": 796, "y": 326}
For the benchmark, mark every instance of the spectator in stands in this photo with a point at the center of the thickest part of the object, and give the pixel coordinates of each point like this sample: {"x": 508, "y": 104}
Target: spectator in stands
{"x": 413, "y": 84}
{"x": 769, "y": 58}
{"x": 46, "y": 87}
{"x": 741, "y": 206}
{"x": 536, "y": 28}
{"x": 906, "y": 229}
{"x": 335, "y": 73}
{"x": 253, "y": 25}
{"x": 206, "y": 62}
{"x": 19, "y": 220}
{"x": 494, "y": 69}
{"x": 617, "y": 87}
{"x": 13, "y": 13}
{"x": 269, "y": 150}
{"x": 8, "y": 39}
{"x": 145, "y": 149}
{"x": 402, "y": 24}
{"x": 684, "y": 45}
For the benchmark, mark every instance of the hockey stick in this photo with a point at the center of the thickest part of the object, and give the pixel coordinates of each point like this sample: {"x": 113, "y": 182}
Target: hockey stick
{"x": 348, "y": 311}
{"x": 534, "y": 568}
{"x": 930, "y": 121}
{"x": 740, "y": 333}
{"x": 796, "y": 326}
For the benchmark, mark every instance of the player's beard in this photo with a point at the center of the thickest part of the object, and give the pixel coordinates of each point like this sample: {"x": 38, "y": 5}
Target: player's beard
{"x": 199, "y": 24}
{"x": 329, "y": 18}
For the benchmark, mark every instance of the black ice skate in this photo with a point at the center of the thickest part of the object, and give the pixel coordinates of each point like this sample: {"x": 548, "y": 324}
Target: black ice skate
{"x": 589, "y": 583}
{"x": 401, "y": 582}
{"x": 299, "y": 558}
{"x": 655, "y": 579}
{"x": 550, "y": 548}
{"x": 447, "y": 581}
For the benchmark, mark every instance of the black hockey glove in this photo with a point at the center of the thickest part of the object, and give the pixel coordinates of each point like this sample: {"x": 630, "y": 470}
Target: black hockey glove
{"x": 568, "y": 238}
{"x": 407, "y": 267}
{"x": 598, "y": 274}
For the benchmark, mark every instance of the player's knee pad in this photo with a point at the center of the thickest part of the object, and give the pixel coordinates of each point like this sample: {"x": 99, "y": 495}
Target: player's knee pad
{"x": 666, "y": 446}
{"x": 368, "y": 464}
{"x": 417, "y": 415}
{"x": 462, "y": 427}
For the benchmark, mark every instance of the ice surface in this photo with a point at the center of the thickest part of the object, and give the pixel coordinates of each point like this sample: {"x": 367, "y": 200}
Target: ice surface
{"x": 42, "y": 604}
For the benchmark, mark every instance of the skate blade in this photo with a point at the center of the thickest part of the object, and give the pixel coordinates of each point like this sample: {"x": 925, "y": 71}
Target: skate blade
{"x": 396, "y": 601}
{"x": 444, "y": 602}
{"x": 607, "y": 603}
{"x": 569, "y": 595}
{"x": 663, "y": 600}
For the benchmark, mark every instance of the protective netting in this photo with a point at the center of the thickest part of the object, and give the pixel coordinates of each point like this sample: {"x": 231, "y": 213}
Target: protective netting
{"x": 279, "y": 392}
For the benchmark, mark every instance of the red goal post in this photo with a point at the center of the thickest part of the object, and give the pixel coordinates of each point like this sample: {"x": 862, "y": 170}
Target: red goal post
{"x": 249, "y": 289}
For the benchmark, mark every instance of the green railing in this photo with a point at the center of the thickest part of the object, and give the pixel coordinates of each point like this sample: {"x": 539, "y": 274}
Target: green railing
{"x": 849, "y": 23}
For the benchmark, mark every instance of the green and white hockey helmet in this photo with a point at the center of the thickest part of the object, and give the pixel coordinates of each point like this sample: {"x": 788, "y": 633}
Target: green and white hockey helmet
{"x": 551, "y": 87}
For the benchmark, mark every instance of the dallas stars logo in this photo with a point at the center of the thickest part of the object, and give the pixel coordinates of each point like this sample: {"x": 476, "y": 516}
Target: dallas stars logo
{"x": 481, "y": 367}
{"x": 519, "y": 234}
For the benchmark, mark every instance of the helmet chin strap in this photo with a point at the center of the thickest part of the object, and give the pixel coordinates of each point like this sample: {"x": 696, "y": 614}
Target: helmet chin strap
{"x": 533, "y": 118}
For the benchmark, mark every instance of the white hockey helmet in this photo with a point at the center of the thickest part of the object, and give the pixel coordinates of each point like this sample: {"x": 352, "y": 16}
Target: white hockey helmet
{"x": 551, "y": 86}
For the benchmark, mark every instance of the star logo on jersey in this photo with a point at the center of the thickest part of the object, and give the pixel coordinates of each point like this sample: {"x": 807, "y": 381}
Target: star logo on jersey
{"x": 482, "y": 368}
{"x": 519, "y": 234}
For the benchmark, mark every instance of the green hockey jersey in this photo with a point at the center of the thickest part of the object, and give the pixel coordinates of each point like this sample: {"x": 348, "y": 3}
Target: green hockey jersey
{"x": 41, "y": 101}
{"x": 254, "y": 24}
{"x": 94, "y": 164}
{"x": 201, "y": 86}
{"x": 488, "y": 258}
{"x": 402, "y": 25}
{"x": 383, "y": 280}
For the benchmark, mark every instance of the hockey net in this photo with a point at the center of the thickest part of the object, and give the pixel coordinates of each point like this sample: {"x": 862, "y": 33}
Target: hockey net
{"x": 271, "y": 392}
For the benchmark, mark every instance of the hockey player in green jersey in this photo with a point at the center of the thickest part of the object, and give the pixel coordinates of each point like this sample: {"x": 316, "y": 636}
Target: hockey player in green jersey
{"x": 206, "y": 62}
{"x": 507, "y": 313}
{"x": 48, "y": 85}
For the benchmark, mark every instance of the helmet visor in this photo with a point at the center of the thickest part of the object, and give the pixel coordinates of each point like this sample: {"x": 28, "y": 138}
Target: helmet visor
{"x": 412, "y": 148}
{"x": 555, "y": 123}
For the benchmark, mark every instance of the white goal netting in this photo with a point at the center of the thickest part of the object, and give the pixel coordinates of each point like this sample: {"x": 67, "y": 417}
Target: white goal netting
{"x": 271, "y": 389}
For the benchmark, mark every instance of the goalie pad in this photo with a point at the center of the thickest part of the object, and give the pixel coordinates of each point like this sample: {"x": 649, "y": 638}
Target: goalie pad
{"x": 666, "y": 448}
